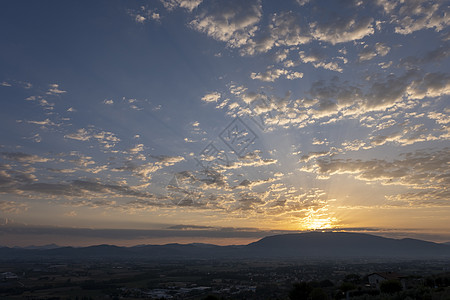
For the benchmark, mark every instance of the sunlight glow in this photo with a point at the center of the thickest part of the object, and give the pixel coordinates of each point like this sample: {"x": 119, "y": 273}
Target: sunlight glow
{"x": 318, "y": 219}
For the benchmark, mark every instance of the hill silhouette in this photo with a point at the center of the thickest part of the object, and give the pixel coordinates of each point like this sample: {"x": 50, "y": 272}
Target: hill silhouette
{"x": 319, "y": 245}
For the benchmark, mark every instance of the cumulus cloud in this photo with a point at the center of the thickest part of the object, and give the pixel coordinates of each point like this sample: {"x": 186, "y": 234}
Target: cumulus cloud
{"x": 342, "y": 29}
{"x": 136, "y": 149}
{"x": 232, "y": 22}
{"x": 187, "y": 4}
{"x": 335, "y": 91}
{"x": 385, "y": 92}
{"x": 143, "y": 14}
{"x": 24, "y": 157}
{"x": 81, "y": 135}
{"x": 315, "y": 154}
{"x": 12, "y": 206}
{"x": 288, "y": 30}
{"x": 271, "y": 74}
{"x": 82, "y": 188}
{"x": 432, "y": 56}
{"x": 211, "y": 97}
{"x": 105, "y": 138}
{"x": 430, "y": 85}
{"x": 168, "y": 160}
{"x": 46, "y": 122}
{"x": 55, "y": 90}
{"x": 421, "y": 169}
{"x": 369, "y": 52}
{"x": 317, "y": 59}
{"x": 416, "y": 15}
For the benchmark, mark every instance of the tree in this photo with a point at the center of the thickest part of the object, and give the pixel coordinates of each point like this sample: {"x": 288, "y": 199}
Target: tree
{"x": 318, "y": 294}
{"x": 300, "y": 291}
{"x": 210, "y": 297}
{"x": 390, "y": 286}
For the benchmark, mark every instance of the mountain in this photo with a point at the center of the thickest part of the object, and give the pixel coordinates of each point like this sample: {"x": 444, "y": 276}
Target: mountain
{"x": 287, "y": 246}
{"x": 345, "y": 245}
{"x": 49, "y": 246}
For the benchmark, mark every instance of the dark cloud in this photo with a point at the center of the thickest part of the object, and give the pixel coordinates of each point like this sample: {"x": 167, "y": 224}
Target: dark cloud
{"x": 433, "y": 56}
{"x": 23, "y": 157}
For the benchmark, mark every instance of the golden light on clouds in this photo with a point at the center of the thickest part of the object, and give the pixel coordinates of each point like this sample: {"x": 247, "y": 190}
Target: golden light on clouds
{"x": 318, "y": 219}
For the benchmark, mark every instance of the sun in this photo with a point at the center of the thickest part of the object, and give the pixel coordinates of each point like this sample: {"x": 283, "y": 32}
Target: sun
{"x": 318, "y": 219}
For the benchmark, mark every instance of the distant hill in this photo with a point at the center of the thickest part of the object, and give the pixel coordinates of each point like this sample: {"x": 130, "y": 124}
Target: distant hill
{"x": 345, "y": 245}
{"x": 288, "y": 246}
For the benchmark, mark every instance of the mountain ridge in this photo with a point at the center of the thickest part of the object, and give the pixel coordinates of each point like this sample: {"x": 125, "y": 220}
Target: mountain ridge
{"x": 285, "y": 246}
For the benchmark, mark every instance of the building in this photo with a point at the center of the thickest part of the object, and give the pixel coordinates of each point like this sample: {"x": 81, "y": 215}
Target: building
{"x": 6, "y": 276}
{"x": 375, "y": 279}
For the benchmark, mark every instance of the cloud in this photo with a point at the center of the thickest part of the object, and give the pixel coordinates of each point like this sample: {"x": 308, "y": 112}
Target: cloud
{"x": 369, "y": 52}
{"x": 187, "y": 4}
{"x": 424, "y": 198}
{"x": 211, "y": 97}
{"x": 421, "y": 169}
{"x": 233, "y": 22}
{"x": 342, "y": 29}
{"x": 435, "y": 55}
{"x": 23, "y": 157}
{"x": 387, "y": 5}
{"x": 317, "y": 59}
{"x": 382, "y": 92}
{"x": 251, "y": 159}
{"x": 81, "y": 135}
{"x": 334, "y": 92}
{"x": 271, "y": 74}
{"x": 12, "y": 206}
{"x": 143, "y": 14}
{"x": 430, "y": 85}
{"x": 146, "y": 170}
{"x": 302, "y": 2}
{"x": 114, "y": 235}
{"x": 416, "y": 15}
{"x": 105, "y": 138}
{"x": 287, "y": 29}
{"x": 136, "y": 149}
{"x": 54, "y": 90}
{"x": 385, "y": 92}
{"x": 312, "y": 155}
{"x": 46, "y": 122}
{"x": 84, "y": 189}
{"x": 168, "y": 160}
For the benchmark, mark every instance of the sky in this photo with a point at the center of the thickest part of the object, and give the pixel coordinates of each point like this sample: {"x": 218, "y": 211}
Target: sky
{"x": 222, "y": 121}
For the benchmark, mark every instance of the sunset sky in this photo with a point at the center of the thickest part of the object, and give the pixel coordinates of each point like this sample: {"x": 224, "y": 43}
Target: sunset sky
{"x": 148, "y": 122}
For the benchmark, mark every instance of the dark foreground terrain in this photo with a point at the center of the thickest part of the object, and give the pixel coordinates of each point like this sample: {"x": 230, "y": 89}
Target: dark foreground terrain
{"x": 244, "y": 279}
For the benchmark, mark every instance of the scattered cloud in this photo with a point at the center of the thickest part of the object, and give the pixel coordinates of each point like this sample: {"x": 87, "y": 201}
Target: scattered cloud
{"x": 271, "y": 74}
{"x": 422, "y": 169}
{"x": 411, "y": 16}
{"x": 55, "y": 90}
{"x": 190, "y": 5}
{"x": 105, "y": 138}
{"x": 23, "y": 157}
{"x": 232, "y": 22}
{"x": 369, "y": 52}
{"x": 341, "y": 29}
{"x": 211, "y": 97}
{"x": 12, "y": 206}
{"x": 144, "y": 14}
